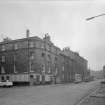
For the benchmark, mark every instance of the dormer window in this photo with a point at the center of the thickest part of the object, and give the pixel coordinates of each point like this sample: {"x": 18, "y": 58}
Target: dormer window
{"x": 3, "y": 48}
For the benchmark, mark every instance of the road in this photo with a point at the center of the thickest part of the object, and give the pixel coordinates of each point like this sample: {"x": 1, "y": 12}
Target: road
{"x": 45, "y": 95}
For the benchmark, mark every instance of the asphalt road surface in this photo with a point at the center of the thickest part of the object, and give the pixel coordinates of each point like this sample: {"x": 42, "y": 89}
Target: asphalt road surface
{"x": 68, "y": 94}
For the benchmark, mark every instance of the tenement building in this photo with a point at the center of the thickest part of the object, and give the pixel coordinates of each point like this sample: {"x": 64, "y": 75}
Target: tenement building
{"x": 79, "y": 65}
{"x": 35, "y": 60}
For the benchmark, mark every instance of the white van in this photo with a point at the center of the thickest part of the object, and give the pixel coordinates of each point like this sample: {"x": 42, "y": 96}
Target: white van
{"x": 6, "y": 84}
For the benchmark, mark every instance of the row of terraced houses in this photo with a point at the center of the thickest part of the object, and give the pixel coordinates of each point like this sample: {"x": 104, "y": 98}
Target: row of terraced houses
{"x": 35, "y": 60}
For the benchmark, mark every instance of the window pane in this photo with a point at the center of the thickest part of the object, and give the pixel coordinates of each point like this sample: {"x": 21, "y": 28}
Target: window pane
{"x": 3, "y": 58}
{"x": 42, "y": 45}
{"x": 2, "y": 78}
{"x": 2, "y": 70}
{"x": 31, "y": 44}
{"x": 7, "y": 78}
{"x": 3, "y": 48}
{"x": 15, "y": 46}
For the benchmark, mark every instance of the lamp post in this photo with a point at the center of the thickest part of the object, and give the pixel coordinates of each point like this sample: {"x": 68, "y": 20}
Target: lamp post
{"x": 87, "y": 19}
{"x": 28, "y": 53}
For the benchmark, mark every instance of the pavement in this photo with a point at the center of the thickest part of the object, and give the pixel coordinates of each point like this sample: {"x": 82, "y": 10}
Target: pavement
{"x": 68, "y": 94}
{"x": 96, "y": 98}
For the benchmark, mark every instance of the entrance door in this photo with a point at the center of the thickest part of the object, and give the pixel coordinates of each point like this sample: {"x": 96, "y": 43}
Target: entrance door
{"x": 31, "y": 80}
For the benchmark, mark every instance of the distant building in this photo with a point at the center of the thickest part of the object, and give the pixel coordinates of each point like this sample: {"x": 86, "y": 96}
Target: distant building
{"x": 97, "y": 74}
{"x": 37, "y": 61}
{"x": 104, "y": 71}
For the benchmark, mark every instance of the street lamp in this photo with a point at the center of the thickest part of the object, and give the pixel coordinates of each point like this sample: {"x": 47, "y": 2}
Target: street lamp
{"x": 87, "y": 19}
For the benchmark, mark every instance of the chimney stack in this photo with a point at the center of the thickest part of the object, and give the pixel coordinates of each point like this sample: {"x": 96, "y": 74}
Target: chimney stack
{"x": 27, "y": 33}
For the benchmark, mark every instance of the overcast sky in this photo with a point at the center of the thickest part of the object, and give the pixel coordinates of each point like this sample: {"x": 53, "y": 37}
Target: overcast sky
{"x": 65, "y": 21}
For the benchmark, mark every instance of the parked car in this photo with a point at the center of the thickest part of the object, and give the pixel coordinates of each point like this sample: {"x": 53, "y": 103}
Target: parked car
{"x": 6, "y": 84}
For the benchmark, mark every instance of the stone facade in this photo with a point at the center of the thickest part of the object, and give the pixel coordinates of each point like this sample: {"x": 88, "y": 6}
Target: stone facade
{"x": 37, "y": 60}
{"x": 80, "y": 65}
